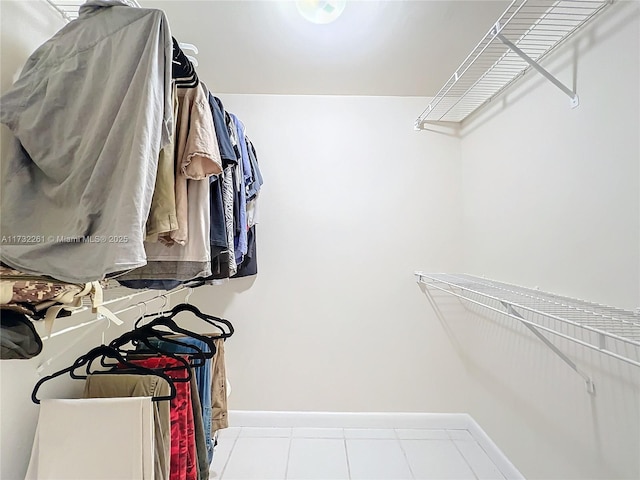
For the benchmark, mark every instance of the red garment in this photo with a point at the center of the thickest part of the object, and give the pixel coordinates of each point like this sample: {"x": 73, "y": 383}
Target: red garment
{"x": 183, "y": 441}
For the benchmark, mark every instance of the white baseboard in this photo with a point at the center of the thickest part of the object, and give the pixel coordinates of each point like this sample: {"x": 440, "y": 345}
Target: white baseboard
{"x": 447, "y": 421}
{"x": 241, "y": 418}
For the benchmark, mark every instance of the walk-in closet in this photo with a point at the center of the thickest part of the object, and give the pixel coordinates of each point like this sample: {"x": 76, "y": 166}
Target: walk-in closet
{"x": 320, "y": 240}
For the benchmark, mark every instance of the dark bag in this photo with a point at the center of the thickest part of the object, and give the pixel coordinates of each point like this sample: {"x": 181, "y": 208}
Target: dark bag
{"x": 18, "y": 336}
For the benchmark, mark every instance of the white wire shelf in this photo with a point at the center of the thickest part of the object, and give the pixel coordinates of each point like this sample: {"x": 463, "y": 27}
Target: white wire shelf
{"x": 69, "y": 8}
{"x": 526, "y": 32}
{"x": 608, "y": 330}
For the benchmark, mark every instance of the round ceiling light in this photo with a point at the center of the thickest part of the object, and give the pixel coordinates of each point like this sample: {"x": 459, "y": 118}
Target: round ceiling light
{"x": 321, "y": 11}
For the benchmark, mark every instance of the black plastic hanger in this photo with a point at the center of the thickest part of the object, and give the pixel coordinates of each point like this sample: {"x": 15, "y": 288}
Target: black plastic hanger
{"x": 147, "y": 332}
{"x": 106, "y": 351}
{"x": 210, "y": 319}
{"x": 186, "y": 365}
{"x": 182, "y": 70}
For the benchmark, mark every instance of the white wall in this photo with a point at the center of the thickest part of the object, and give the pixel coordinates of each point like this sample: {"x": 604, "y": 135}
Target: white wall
{"x": 551, "y": 198}
{"x": 552, "y": 194}
{"x": 354, "y": 201}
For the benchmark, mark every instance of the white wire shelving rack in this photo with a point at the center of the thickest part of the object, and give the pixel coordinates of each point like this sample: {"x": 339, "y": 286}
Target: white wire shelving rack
{"x": 611, "y": 331}
{"x": 69, "y": 11}
{"x": 524, "y": 34}
{"x": 69, "y": 8}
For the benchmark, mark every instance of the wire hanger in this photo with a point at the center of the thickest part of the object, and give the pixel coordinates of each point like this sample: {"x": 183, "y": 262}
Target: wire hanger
{"x": 165, "y": 301}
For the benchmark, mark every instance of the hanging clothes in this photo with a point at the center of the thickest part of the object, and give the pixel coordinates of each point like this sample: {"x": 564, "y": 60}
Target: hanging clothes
{"x": 219, "y": 411}
{"x": 249, "y": 265}
{"x": 228, "y": 197}
{"x": 254, "y": 182}
{"x": 199, "y": 432}
{"x": 218, "y": 229}
{"x": 163, "y": 218}
{"x": 227, "y": 153}
{"x": 185, "y": 253}
{"x": 256, "y": 176}
{"x": 221, "y": 215}
{"x": 240, "y": 240}
{"x": 183, "y": 451}
{"x": 121, "y": 385}
{"x": 204, "y": 383}
{"x": 132, "y": 169}
{"x": 198, "y": 156}
{"x": 80, "y": 142}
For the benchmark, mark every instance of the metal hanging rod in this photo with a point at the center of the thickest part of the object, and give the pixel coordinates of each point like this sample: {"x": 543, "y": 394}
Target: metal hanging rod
{"x": 117, "y": 294}
{"x": 101, "y": 318}
{"x": 69, "y": 8}
{"x": 612, "y": 331}
{"x": 524, "y": 34}
{"x": 69, "y": 11}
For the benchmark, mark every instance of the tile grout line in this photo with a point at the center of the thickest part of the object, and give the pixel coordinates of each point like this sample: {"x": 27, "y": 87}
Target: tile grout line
{"x": 504, "y": 476}
{"x": 455, "y": 445}
{"x": 406, "y": 457}
{"x": 224, "y": 467}
{"x": 286, "y": 468}
{"x": 346, "y": 453}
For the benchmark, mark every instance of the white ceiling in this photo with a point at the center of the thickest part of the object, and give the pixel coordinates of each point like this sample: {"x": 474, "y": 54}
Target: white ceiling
{"x": 405, "y": 48}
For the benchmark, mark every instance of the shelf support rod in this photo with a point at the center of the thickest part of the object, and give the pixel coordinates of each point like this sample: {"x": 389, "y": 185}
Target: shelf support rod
{"x": 591, "y": 388}
{"x": 575, "y": 101}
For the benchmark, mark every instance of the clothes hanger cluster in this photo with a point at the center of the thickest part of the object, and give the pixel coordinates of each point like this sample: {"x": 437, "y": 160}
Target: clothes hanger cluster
{"x": 114, "y": 357}
{"x": 183, "y": 72}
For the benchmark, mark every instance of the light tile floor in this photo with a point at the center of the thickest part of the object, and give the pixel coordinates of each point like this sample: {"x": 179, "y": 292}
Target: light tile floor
{"x": 350, "y": 453}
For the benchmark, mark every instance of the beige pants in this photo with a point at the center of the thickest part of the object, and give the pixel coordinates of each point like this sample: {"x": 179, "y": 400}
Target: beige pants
{"x": 219, "y": 418}
{"x": 123, "y": 385}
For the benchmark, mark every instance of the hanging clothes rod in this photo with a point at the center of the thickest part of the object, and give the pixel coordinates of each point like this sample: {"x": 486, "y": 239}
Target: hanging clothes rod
{"x": 69, "y": 11}
{"x": 99, "y": 319}
{"x": 116, "y": 299}
{"x": 164, "y": 295}
{"x": 69, "y": 8}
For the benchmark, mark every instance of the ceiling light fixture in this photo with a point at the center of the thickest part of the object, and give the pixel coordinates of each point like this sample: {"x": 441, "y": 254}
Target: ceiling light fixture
{"x": 321, "y": 11}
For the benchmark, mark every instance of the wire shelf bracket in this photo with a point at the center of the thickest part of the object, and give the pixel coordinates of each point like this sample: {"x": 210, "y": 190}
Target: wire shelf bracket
{"x": 611, "y": 331}
{"x": 575, "y": 101}
{"x": 591, "y": 388}
{"x": 524, "y": 34}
